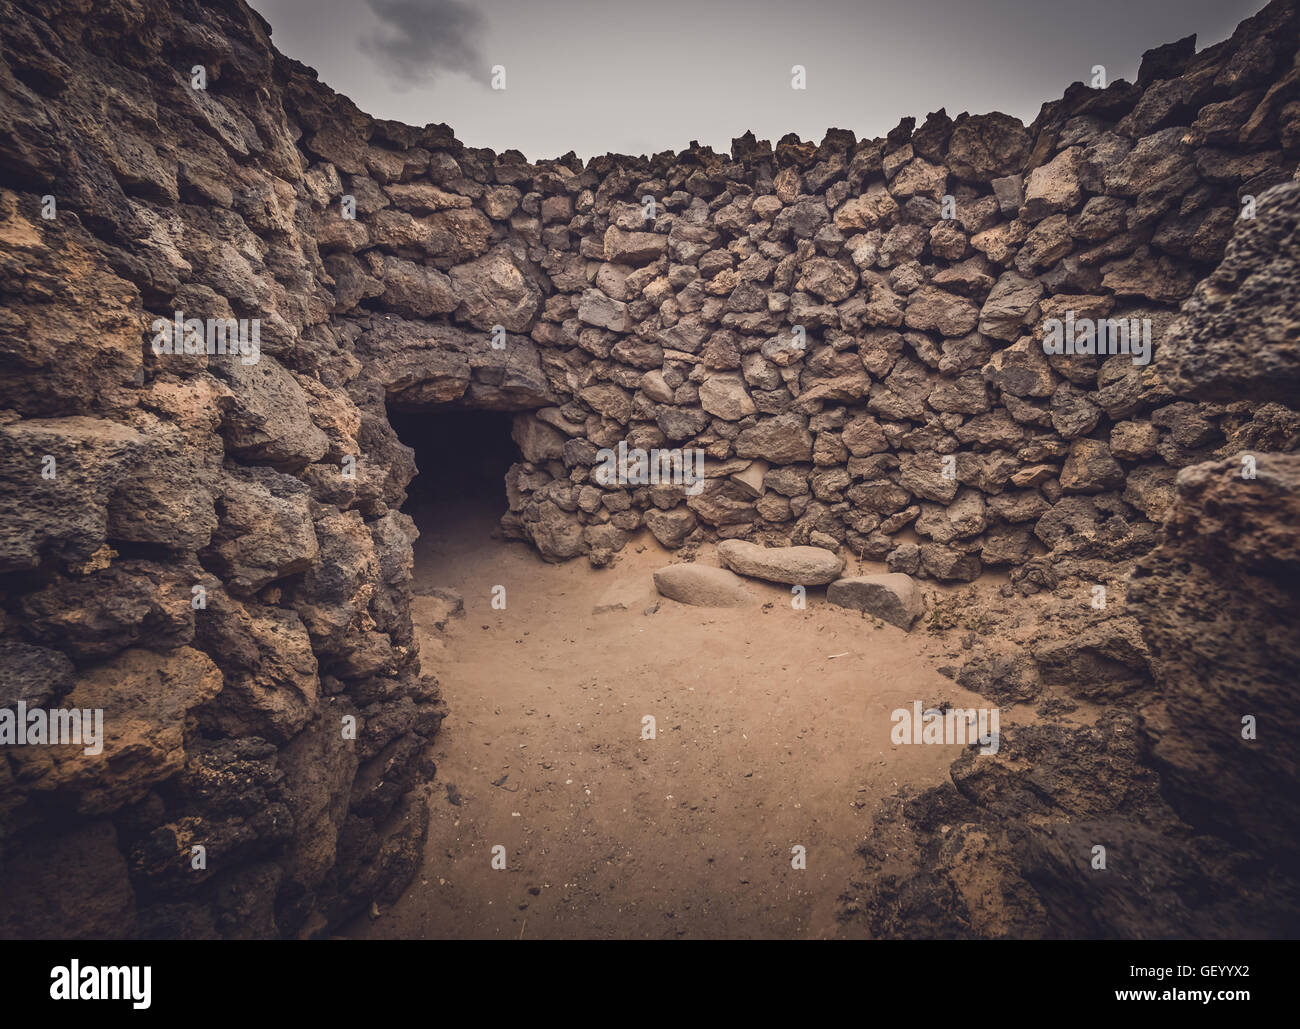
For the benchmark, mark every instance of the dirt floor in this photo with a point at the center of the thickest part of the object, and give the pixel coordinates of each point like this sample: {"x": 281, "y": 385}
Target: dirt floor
{"x": 772, "y": 733}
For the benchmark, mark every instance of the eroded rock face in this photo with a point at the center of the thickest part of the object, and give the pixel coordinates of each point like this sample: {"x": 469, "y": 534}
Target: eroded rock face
{"x": 1218, "y": 599}
{"x": 1239, "y": 334}
{"x": 853, "y": 364}
{"x": 1196, "y": 650}
{"x": 1219, "y": 603}
{"x": 181, "y": 547}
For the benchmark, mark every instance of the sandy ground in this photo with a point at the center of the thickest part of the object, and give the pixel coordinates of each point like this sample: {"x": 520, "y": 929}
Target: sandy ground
{"x": 772, "y": 733}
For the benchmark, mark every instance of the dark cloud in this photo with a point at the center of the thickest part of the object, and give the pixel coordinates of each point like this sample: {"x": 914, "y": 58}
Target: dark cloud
{"x": 422, "y": 38}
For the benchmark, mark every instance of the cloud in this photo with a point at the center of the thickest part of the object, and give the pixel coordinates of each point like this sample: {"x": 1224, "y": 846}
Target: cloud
{"x": 419, "y": 39}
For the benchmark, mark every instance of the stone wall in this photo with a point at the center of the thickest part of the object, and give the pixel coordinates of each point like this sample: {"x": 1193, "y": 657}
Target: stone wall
{"x": 1161, "y": 737}
{"x": 200, "y": 565}
{"x": 809, "y": 318}
{"x": 216, "y": 557}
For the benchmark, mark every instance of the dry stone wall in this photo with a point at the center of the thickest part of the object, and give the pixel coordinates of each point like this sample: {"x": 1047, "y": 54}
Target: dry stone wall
{"x": 209, "y": 547}
{"x": 851, "y": 333}
{"x": 1153, "y": 796}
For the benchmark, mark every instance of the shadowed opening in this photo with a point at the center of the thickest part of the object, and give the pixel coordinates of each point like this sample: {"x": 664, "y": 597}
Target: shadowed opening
{"x": 458, "y": 495}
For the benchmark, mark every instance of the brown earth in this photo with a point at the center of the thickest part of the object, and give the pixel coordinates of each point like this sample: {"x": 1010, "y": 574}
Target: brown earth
{"x": 772, "y": 731}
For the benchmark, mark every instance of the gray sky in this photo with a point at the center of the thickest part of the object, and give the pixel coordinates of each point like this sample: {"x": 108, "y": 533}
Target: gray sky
{"x": 596, "y": 76}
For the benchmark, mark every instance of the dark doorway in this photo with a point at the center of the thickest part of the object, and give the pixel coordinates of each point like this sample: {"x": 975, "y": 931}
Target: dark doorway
{"x": 458, "y": 495}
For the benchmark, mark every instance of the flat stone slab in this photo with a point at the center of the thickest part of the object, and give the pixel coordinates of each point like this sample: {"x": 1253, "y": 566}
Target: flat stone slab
{"x": 893, "y": 597}
{"x": 701, "y": 586}
{"x": 793, "y": 566}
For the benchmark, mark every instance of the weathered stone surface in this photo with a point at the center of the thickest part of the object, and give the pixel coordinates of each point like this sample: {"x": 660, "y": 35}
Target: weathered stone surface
{"x": 962, "y": 519}
{"x": 493, "y": 291}
{"x": 603, "y": 312}
{"x": 946, "y": 314}
{"x": 987, "y": 147}
{"x": 1054, "y": 187}
{"x": 924, "y": 476}
{"x": 784, "y": 439}
{"x": 1133, "y": 440}
{"x": 1209, "y": 601}
{"x": 415, "y": 291}
{"x": 268, "y": 666}
{"x": 633, "y": 248}
{"x": 892, "y": 597}
{"x": 266, "y": 532}
{"x": 949, "y": 564}
{"x": 701, "y": 586}
{"x": 145, "y": 698}
{"x": 793, "y": 566}
{"x": 1010, "y": 307}
{"x": 1090, "y": 468}
{"x": 537, "y": 440}
{"x": 725, "y": 396}
{"x": 1238, "y": 334}
{"x": 73, "y": 885}
{"x": 671, "y": 528}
